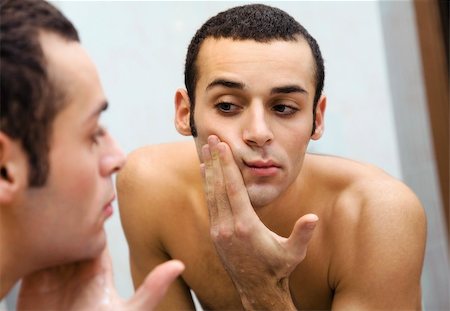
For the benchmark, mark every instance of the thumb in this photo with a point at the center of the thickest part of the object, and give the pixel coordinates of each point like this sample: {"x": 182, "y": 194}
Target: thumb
{"x": 301, "y": 235}
{"x": 155, "y": 286}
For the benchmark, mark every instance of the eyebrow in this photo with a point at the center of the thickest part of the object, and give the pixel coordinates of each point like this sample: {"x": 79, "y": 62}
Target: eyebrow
{"x": 226, "y": 83}
{"x": 240, "y": 86}
{"x": 288, "y": 89}
{"x": 99, "y": 110}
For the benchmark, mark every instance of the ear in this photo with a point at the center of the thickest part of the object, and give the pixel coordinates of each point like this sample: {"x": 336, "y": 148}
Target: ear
{"x": 320, "y": 115}
{"x": 13, "y": 169}
{"x": 182, "y": 112}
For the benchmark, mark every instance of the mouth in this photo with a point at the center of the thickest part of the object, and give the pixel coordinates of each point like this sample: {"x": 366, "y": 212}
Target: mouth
{"x": 262, "y": 168}
{"x": 108, "y": 208}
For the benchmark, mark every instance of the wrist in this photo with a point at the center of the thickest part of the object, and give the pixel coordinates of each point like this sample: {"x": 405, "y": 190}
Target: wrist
{"x": 268, "y": 296}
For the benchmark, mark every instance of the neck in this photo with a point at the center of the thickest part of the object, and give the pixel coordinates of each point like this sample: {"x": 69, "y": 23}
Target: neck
{"x": 8, "y": 271}
{"x": 14, "y": 258}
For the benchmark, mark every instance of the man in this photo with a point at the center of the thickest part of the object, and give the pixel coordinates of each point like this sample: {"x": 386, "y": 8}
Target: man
{"x": 263, "y": 224}
{"x": 56, "y": 167}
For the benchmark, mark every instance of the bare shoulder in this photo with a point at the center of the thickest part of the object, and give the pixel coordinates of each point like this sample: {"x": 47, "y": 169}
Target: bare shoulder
{"x": 378, "y": 229}
{"x": 365, "y": 194}
{"x": 161, "y": 160}
{"x": 152, "y": 188}
{"x": 152, "y": 184}
{"x": 364, "y": 184}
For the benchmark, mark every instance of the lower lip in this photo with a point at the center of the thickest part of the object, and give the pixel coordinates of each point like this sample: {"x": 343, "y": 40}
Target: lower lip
{"x": 108, "y": 210}
{"x": 264, "y": 171}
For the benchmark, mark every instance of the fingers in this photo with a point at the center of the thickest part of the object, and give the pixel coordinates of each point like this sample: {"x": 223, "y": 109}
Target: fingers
{"x": 235, "y": 186}
{"x": 302, "y": 234}
{"x": 230, "y": 177}
{"x": 208, "y": 176}
{"x": 155, "y": 286}
{"x": 216, "y": 193}
{"x": 104, "y": 265}
{"x": 105, "y": 259}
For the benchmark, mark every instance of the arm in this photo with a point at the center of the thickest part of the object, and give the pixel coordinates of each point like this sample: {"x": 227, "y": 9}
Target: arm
{"x": 379, "y": 260}
{"x": 258, "y": 261}
{"x": 142, "y": 203}
{"x": 88, "y": 285}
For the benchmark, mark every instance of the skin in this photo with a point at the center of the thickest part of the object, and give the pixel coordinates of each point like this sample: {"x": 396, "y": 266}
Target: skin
{"x": 54, "y": 235}
{"x": 263, "y": 224}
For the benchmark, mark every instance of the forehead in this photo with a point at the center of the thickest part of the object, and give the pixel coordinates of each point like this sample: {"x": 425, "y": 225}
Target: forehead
{"x": 275, "y": 61}
{"x": 72, "y": 73}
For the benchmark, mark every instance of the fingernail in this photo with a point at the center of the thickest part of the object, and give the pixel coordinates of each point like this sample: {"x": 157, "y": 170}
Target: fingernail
{"x": 215, "y": 154}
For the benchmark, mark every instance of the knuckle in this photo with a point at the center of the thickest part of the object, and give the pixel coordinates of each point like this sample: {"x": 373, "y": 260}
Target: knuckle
{"x": 242, "y": 229}
{"x": 222, "y": 233}
{"x": 214, "y": 233}
{"x": 225, "y": 233}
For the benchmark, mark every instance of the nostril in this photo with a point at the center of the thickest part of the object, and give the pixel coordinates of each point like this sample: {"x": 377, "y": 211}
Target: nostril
{"x": 112, "y": 164}
{"x": 116, "y": 169}
{"x": 121, "y": 162}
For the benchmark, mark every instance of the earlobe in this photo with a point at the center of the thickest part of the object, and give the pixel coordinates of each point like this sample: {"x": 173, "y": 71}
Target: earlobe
{"x": 319, "y": 120}
{"x": 182, "y": 112}
{"x": 13, "y": 169}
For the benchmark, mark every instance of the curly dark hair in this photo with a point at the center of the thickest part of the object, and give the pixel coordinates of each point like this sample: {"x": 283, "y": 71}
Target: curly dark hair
{"x": 29, "y": 100}
{"x": 257, "y": 22}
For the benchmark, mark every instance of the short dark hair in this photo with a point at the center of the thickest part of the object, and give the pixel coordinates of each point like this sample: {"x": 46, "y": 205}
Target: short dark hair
{"x": 257, "y": 22}
{"x": 29, "y": 100}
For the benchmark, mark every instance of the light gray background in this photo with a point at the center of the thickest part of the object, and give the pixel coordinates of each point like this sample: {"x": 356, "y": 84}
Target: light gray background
{"x": 140, "y": 47}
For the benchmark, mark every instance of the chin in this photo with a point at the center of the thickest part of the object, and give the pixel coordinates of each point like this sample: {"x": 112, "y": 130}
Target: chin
{"x": 96, "y": 246}
{"x": 262, "y": 196}
{"x": 68, "y": 252}
{"x": 89, "y": 248}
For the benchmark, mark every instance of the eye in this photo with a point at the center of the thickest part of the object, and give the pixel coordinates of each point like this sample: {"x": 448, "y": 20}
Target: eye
{"x": 99, "y": 133}
{"x": 284, "y": 110}
{"x": 226, "y": 107}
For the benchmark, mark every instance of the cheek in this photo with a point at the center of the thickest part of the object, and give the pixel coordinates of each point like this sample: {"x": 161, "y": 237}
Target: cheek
{"x": 298, "y": 156}
{"x": 76, "y": 177}
{"x": 226, "y": 131}
{"x": 82, "y": 190}
{"x": 295, "y": 145}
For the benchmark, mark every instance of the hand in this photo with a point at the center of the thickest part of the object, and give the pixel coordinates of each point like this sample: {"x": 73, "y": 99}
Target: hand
{"x": 88, "y": 285}
{"x": 258, "y": 261}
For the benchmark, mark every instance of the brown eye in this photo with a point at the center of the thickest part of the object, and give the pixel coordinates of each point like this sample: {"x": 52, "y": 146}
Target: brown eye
{"x": 226, "y": 107}
{"x": 284, "y": 109}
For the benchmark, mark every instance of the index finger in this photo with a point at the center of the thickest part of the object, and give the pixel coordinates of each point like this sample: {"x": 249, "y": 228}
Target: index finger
{"x": 234, "y": 184}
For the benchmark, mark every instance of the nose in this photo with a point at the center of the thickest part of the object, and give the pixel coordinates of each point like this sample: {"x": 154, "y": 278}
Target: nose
{"x": 113, "y": 159}
{"x": 257, "y": 131}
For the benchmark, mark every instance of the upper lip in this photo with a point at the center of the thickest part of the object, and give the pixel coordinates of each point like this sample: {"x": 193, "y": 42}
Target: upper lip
{"x": 261, "y": 163}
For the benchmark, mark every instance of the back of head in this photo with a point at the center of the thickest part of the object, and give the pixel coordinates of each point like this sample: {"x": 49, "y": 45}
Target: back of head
{"x": 256, "y": 22}
{"x": 29, "y": 100}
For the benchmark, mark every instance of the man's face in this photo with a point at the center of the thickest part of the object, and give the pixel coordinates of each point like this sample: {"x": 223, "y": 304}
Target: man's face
{"x": 258, "y": 98}
{"x": 68, "y": 213}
